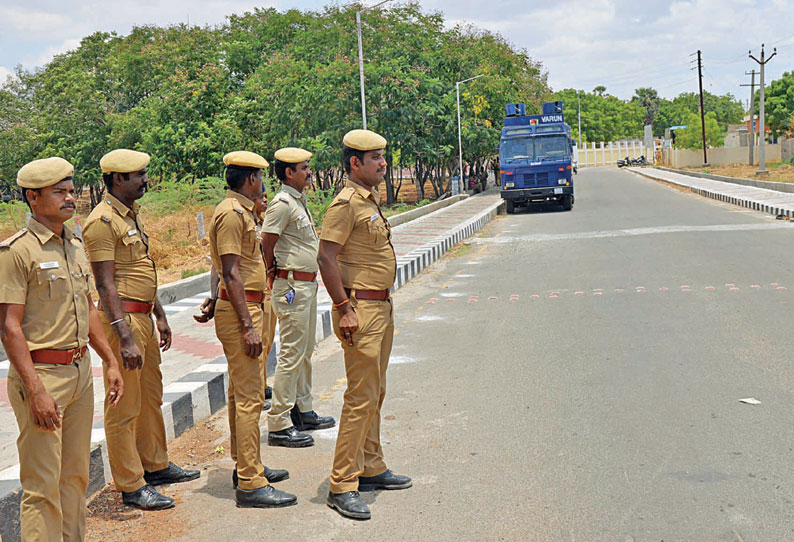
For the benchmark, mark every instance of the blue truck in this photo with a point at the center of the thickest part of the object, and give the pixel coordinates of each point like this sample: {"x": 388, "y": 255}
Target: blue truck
{"x": 535, "y": 159}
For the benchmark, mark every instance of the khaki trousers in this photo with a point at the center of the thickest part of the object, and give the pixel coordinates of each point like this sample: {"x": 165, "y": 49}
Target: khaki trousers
{"x": 358, "y": 450}
{"x": 297, "y": 329}
{"x": 134, "y": 429}
{"x": 268, "y": 333}
{"x": 246, "y": 394}
{"x": 53, "y": 465}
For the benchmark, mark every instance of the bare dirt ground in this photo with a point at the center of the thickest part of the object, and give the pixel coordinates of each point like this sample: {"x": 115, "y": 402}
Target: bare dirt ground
{"x": 109, "y": 519}
{"x": 781, "y": 173}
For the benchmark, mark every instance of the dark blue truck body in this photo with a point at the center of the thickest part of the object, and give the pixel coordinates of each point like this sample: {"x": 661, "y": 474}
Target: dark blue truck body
{"x": 535, "y": 157}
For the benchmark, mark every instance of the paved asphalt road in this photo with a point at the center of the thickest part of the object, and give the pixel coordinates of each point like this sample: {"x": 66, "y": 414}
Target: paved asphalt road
{"x": 589, "y": 392}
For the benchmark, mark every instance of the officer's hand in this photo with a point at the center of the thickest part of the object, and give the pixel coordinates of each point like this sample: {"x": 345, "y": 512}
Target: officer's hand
{"x": 165, "y": 334}
{"x": 46, "y": 413}
{"x": 270, "y": 279}
{"x": 253, "y": 343}
{"x": 115, "y": 386}
{"x": 131, "y": 357}
{"x": 348, "y": 324}
{"x": 207, "y": 311}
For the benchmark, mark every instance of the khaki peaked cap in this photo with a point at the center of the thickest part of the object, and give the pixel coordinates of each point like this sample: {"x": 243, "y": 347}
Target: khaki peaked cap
{"x": 124, "y": 161}
{"x": 43, "y": 173}
{"x": 245, "y": 159}
{"x": 292, "y": 155}
{"x": 364, "y": 140}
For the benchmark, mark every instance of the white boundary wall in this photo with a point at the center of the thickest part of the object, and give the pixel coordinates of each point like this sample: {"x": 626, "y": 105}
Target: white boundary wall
{"x": 608, "y": 153}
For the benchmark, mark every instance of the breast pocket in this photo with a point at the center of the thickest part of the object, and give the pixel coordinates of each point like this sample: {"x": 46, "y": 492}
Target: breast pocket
{"x": 52, "y": 284}
{"x": 82, "y": 278}
{"x": 133, "y": 247}
{"x": 378, "y": 231}
{"x": 250, "y": 239}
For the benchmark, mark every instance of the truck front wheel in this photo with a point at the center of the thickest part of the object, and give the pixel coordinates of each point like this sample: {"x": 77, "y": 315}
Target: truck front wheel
{"x": 567, "y": 202}
{"x": 510, "y": 207}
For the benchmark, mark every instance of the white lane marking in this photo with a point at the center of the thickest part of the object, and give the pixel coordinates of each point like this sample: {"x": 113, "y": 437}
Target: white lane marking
{"x": 452, "y": 294}
{"x": 428, "y": 318}
{"x": 398, "y": 360}
{"x": 464, "y": 276}
{"x": 540, "y": 237}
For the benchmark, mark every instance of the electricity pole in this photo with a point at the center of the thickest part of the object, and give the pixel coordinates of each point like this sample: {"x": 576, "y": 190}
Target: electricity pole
{"x": 762, "y": 121}
{"x": 361, "y": 62}
{"x": 702, "y": 113}
{"x": 751, "y": 134}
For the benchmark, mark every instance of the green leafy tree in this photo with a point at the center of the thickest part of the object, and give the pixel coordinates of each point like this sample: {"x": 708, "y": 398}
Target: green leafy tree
{"x": 691, "y": 137}
{"x": 779, "y": 105}
{"x": 648, "y": 99}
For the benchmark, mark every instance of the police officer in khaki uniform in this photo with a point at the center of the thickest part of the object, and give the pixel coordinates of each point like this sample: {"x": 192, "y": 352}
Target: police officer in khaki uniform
{"x": 290, "y": 244}
{"x": 47, "y": 320}
{"x": 236, "y": 252}
{"x": 358, "y": 266}
{"x": 126, "y": 280}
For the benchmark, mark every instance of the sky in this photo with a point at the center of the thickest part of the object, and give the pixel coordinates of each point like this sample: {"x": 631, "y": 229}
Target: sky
{"x": 620, "y": 44}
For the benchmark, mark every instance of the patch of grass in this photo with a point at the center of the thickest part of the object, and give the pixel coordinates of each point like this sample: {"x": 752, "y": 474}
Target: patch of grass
{"x": 193, "y": 272}
{"x": 168, "y": 197}
{"x": 459, "y": 250}
{"x": 12, "y": 216}
{"x": 402, "y": 207}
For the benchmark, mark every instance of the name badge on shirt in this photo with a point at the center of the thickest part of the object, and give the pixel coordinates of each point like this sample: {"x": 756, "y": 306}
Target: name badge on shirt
{"x": 373, "y": 218}
{"x": 48, "y": 265}
{"x": 132, "y": 232}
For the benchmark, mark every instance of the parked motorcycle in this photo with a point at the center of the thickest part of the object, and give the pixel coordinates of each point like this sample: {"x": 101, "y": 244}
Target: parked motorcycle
{"x": 624, "y": 163}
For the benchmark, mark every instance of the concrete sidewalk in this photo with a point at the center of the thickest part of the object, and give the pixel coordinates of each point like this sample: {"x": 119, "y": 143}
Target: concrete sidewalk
{"x": 760, "y": 199}
{"x": 194, "y": 370}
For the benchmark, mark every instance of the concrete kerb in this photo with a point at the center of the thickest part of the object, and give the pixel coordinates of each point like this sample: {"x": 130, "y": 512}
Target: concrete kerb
{"x": 746, "y": 202}
{"x": 201, "y": 393}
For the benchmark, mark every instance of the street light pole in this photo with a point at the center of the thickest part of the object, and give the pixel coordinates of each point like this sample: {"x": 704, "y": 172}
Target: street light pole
{"x": 361, "y": 62}
{"x": 460, "y": 139}
{"x": 579, "y": 103}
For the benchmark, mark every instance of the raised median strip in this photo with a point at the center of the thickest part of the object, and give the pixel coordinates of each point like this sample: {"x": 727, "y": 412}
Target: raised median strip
{"x": 771, "y": 201}
{"x": 195, "y": 395}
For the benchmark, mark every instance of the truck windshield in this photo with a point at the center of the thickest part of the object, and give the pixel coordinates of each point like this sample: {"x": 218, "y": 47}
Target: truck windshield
{"x": 550, "y": 147}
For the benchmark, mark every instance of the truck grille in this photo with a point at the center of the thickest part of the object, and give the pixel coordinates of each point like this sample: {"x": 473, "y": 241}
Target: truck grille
{"x": 535, "y": 179}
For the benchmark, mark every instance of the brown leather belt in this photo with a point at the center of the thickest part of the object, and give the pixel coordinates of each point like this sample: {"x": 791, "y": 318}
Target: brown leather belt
{"x": 252, "y": 296}
{"x": 370, "y": 295}
{"x": 133, "y": 306}
{"x": 58, "y": 357}
{"x": 297, "y": 275}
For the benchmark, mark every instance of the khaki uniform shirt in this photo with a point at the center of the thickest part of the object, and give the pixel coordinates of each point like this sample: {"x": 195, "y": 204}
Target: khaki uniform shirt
{"x": 297, "y": 245}
{"x": 51, "y": 276}
{"x": 233, "y": 230}
{"x": 113, "y": 232}
{"x": 354, "y": 220}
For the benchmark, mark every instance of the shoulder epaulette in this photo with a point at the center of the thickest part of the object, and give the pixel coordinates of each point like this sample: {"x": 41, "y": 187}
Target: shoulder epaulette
{"x": 11, "y": 240}
{"x": 105, "y": 211}
{"x": 237, "y": 206}
{"x": 346, "y": 194}
{"x": 281, "y": 196}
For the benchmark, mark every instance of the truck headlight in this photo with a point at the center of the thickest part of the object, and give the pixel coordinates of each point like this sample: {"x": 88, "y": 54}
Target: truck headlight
{"x": 509, "y": 185}
{"x": 562, "y": 181}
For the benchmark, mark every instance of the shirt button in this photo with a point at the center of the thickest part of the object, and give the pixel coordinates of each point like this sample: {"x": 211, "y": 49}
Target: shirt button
{"x": 52, "y": 277}
{"x": 76, "y": 296}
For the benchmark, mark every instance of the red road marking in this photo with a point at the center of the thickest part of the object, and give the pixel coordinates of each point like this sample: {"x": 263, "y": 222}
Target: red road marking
{"x": 450, "y": 300}
{"x": 598, "y": 293}
{"x": 492, "y": 298}
{"x": 710, "y": 288}
{"x": 534, "y": 296}
{"x": 730, "y": 285}
{"x": 619, "y": 290}
{"x": 664, "y": 289}
{"x": 685, "y": 286}
{"x": 781, "y": 288}
{"x": 579, "y": 293}
{"x": 733, "y": 289}
{"x": 755, "y": 286}
{"x": 552, "y": 297}
{"x": 774, "y": 284}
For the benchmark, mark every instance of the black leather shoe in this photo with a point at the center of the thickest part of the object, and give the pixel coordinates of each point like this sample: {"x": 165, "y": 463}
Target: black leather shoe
{"x": 272, "y": 476}
{"x": 309, "y": 421}
{"x": 172, "y": 474}
{"x": 291, "y": 438}
{"x": 385, "y": 480}
{"x": 147, "y": 498}
{"x": 264, "y": 497}
{"x": 268, "y": 392}
{"x": 349, "y": 504}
